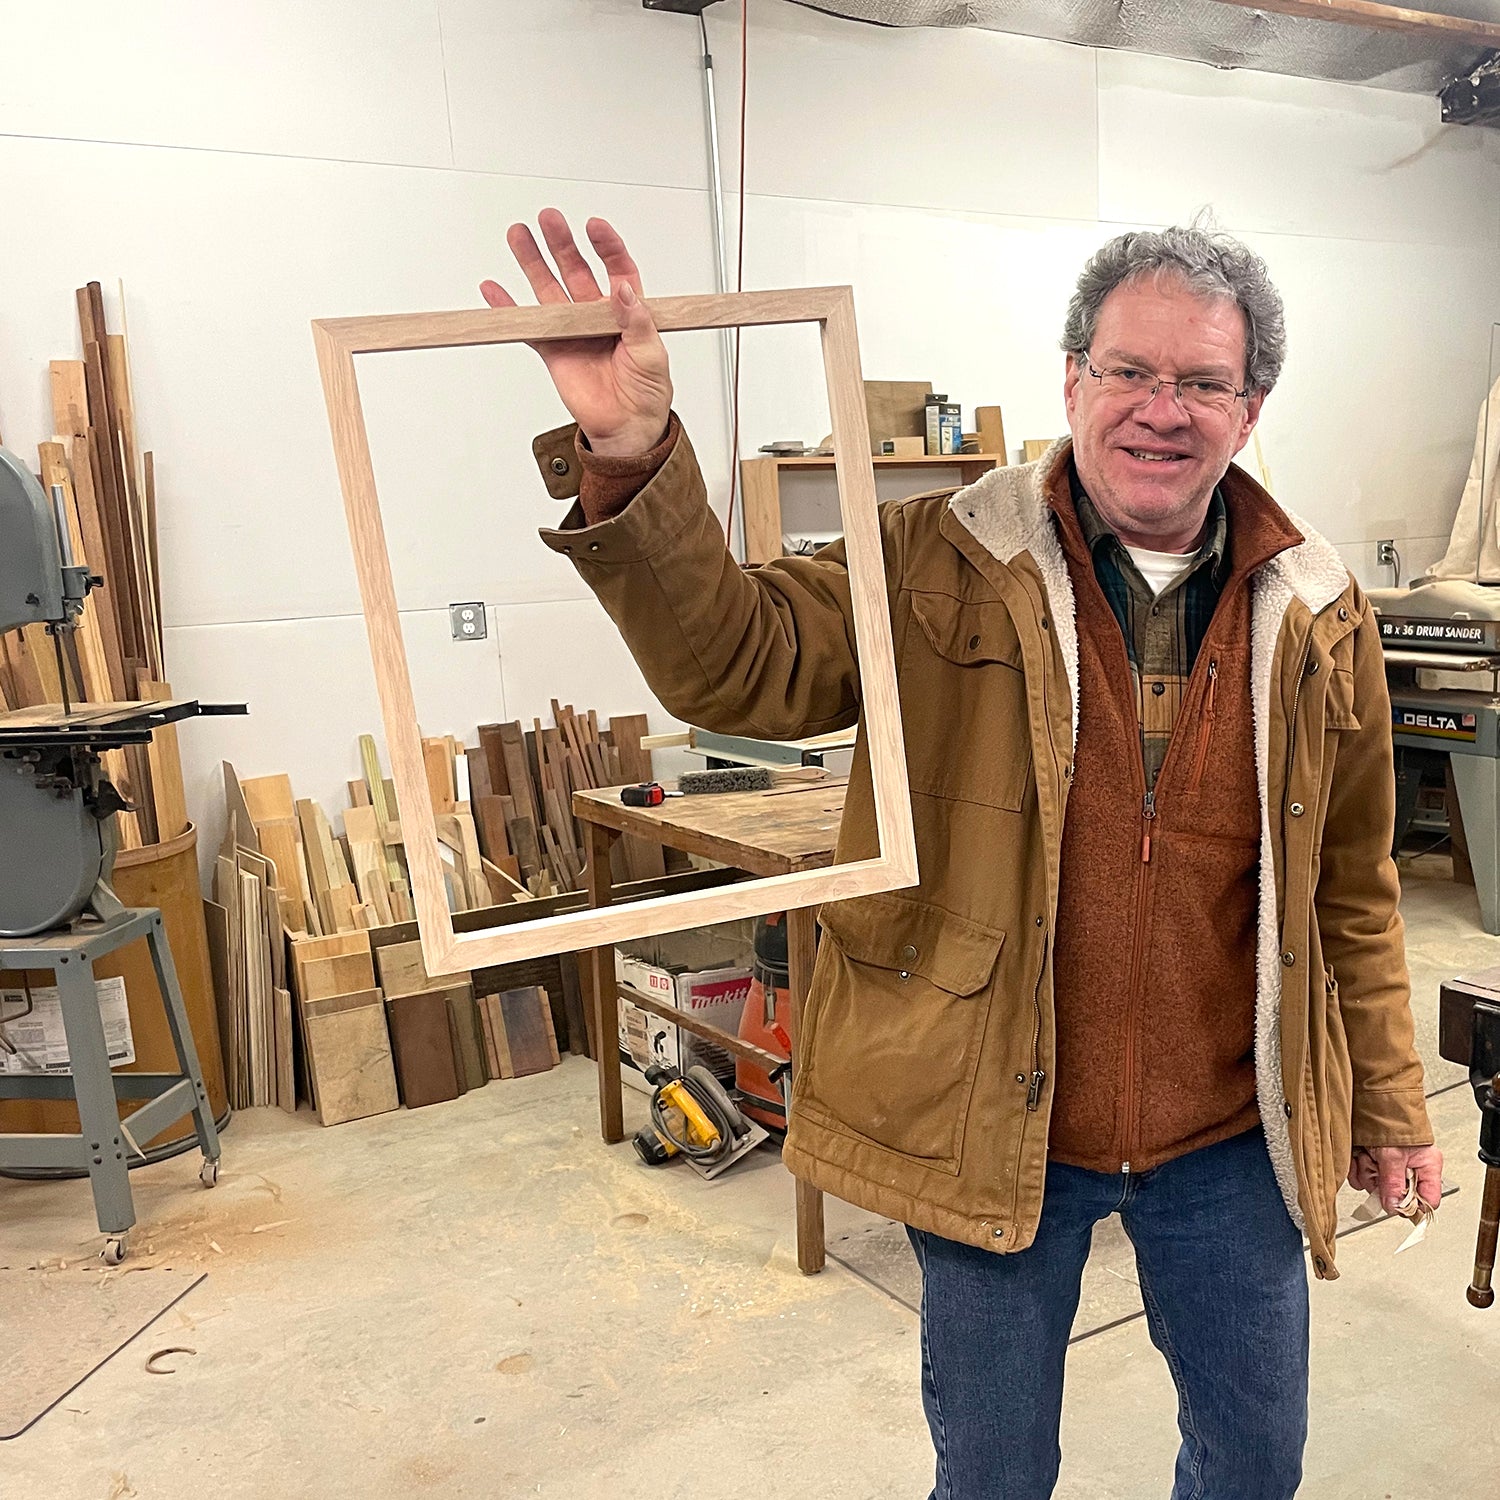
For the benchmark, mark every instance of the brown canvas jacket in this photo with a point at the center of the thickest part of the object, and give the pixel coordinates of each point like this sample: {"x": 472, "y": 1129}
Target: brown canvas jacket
{"x": 925, "y": 1064}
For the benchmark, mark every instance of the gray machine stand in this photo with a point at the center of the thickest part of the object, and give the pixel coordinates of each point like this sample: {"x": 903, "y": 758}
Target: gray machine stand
{"x": 1476, "y": 778}
{"x": 101, "y": 1148}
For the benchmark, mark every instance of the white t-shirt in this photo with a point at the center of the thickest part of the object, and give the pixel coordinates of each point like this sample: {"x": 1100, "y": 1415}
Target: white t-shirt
{"x": 1160, "y": 569}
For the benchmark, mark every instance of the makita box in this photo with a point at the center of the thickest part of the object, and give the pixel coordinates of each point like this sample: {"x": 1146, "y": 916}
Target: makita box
{"x": 707, "y": 972}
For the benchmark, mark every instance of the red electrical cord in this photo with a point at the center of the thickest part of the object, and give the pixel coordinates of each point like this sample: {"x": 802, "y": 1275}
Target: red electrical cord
{"x": 739, "y": 279}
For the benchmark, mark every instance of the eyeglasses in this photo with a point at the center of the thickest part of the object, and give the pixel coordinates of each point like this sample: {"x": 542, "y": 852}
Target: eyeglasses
{"x": 1137, "y": 387}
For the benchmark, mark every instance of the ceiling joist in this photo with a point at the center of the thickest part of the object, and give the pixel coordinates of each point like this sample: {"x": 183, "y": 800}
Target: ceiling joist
{"x": 1374, "y": 17}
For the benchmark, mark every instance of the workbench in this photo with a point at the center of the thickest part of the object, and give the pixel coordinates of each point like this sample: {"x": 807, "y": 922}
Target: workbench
{"x": 763, "y": 833}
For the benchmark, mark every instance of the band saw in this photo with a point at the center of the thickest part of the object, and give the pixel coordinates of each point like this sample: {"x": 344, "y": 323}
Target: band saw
{"x": 57, "y": 807}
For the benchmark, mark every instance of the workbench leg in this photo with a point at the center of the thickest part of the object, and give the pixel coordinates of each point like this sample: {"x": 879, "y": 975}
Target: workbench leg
{"x": 801, "y": 944}
{"x": 94, "y": 1088}
{"x": 606, "y": 1004}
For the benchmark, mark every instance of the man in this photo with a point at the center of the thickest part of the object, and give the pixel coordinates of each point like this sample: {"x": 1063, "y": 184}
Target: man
{"x": 1154, "y": 964}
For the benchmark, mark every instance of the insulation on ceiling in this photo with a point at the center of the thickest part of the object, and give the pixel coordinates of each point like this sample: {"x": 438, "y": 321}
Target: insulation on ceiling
{"x": 1227, "y": 36}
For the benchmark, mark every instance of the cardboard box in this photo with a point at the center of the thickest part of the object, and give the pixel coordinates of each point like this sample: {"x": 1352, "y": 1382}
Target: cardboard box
{"x": 706, "y": 971}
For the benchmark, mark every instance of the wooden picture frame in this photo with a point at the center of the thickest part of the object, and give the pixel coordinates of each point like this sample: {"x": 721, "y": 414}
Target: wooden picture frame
{"x": 339, "y": 340}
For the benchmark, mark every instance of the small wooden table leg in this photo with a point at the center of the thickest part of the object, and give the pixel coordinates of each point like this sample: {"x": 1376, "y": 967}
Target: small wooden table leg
{"x": 606, "y": 1006}
{"x": 801, "y": 941}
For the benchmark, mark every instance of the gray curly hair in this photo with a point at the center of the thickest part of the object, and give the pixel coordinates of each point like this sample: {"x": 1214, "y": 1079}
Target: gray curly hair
{"x": 1211, "y": 264}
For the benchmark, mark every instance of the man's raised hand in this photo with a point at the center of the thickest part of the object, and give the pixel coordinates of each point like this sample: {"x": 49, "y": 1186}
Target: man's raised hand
{"x": 618, "y": 389}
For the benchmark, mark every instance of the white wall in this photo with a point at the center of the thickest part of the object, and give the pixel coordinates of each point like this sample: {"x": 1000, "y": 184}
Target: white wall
{"x": 301, "y": 159}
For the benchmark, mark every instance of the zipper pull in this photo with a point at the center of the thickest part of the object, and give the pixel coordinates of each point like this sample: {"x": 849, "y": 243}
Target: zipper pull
{"x": 1148, "y": 811}
{"x": 1213, "y": 687}
{"x": 1034, "y": 1093}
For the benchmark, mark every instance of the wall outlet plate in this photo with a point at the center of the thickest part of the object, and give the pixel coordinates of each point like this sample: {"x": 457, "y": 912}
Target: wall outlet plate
{"x": 1385, "y": 553}
{"x": 469, "y": 621}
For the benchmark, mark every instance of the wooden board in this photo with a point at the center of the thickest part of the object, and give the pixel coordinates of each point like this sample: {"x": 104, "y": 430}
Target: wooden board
{"x": 402, "y": 971}
{"x": 426, "y": 1071}
{"x": 529, "y": 1044}
{"x": 167, "y": 790}
{"x": 343, "y": 974}
{"x": 1440, "y": 30}
{"x": 268, "y": 797}
{"x": 468, "y": 1039}
{"x": 493, "y": 751}
{"x": 349, "y": 1055}
{"x": 337, "y": 341}
{"x": 991, "y": 427}
{"x": 486, "y": 1007}
{"x": 894, "y": 408}
{"x": 489, "y": 823}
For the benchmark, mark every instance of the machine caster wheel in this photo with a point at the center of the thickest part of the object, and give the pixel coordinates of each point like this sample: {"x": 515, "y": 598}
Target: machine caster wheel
{"x": 114, "y": 1250}
{"x": 208, "y": 1174}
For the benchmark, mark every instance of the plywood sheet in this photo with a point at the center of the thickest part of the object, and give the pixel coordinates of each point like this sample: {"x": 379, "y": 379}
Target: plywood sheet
{"x": 349, "y": 1050}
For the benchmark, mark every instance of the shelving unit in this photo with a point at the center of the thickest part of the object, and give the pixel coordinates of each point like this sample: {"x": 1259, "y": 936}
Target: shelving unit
{"x": 760, "y": 483}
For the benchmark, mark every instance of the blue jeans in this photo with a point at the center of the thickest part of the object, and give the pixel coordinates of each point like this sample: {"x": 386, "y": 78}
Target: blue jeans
{"x": 1225, "y": 1291}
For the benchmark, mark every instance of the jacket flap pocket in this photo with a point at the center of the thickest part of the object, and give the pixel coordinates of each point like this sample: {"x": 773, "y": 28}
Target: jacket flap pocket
{"x": 1340, "y": 713}
{"x": 965, "y": 632}
{"x": 912, "y": 937}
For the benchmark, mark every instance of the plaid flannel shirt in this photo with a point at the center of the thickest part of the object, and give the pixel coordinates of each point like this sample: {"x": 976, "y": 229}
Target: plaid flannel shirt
{"x": 1162, "y": 632}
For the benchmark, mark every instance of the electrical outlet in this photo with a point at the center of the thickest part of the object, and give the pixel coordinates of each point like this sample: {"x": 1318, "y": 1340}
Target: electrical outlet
{"x": 1385, "y": 553}
{"x": 468, "y": 621}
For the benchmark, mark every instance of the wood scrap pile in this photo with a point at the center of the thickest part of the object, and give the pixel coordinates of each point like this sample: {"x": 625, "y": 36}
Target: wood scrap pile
{"x": 246, "y": 943}
{"x": 521, "y": 785}
{"x": 303, "y": 916}
{"x": 109, "y": 500}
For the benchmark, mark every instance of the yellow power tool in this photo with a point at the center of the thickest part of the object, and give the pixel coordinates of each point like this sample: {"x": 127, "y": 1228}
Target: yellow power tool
{"x": 691, "y": 1115}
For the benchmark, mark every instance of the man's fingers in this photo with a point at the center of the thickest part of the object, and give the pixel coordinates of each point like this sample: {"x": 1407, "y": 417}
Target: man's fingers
{"x": 1392, "y": 1182}
{"x": 576, "y": 275}
{"x": 1362, "y": 1175}
{"x": 1430, "y": 1183}
{"x": 637, "y": 329}
{"x": 534, "y": 265}
{"x": 495, "y": 294}
{"x": 610, "y": 249}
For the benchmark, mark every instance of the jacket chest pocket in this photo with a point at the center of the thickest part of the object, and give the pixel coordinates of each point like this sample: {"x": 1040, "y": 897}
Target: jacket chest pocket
{"x": 897, "y": 1024}
{"x": 963, "y": 701}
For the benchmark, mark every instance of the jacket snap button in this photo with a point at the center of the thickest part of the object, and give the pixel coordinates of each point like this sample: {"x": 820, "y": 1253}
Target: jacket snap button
{"x": 903, "y": 974}
{"x": 559, "y": 466}
{"x": 999, "y": 1234}
{"x": 1038, "y": 921}
{"x": 1288, "y": 958}
{"x": 1286, "y": 1105}
{"x": 567, "y": 549}
{"x": 1343, "y": 613}
{"x": 973, "y": 643}
{"x": 1020, "y": 1078}
{"x": 1158, "y": 688}
{"x": 1046, "y": 625}
{"x": 909, "y": 953}
{"x": 1312, "y": 669}
{"x": 1296, "y": 809}
{"x": 593, "y": 546}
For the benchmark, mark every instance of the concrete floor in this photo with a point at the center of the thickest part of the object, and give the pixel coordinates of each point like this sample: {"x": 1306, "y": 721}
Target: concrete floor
{"x": 478, "y": 1299}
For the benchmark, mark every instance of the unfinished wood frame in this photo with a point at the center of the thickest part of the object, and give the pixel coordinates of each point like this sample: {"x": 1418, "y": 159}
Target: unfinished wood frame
{"x": 832, "y": 308}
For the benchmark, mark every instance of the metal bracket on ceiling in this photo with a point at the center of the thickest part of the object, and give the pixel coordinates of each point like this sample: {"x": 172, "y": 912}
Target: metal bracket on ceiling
{"x": 679, "y": 7}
